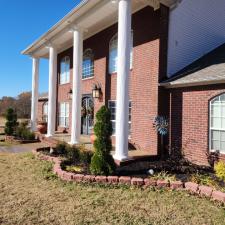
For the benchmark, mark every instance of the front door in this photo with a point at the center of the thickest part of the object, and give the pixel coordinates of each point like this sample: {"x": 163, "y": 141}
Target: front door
{"x": 87, "y": 115}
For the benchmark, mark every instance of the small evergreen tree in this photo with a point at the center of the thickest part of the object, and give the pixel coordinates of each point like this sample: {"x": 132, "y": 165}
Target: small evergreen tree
{"x": 102, "y": 162}
{"x": 11, "y": 122}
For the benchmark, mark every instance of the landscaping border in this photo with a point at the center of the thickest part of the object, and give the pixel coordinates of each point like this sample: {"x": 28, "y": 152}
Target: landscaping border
{"x": 193, "y": 188}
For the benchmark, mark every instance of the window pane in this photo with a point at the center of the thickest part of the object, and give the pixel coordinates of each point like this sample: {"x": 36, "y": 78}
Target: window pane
{"x": 65, "y": 70}
{"x": 88, "y": 64}
{"x": 222, "y": 136}
{"x": 129, "y": 128}
{"x": 216, "y": 100}
{"x": 111, "y": 104}
{"x": 223, "y": 110}
{"x": 215, "y": 145}
{"x": 215, "y": 135}
{"x": 113, "y": 53}
{"x": 223, "y": 123}
{"x": 216, "y": 122}
{"x": 216, "y": 110}
{"x": 67, "y": 109}
{"x": 114, "y": 127}
{"x": 223, "y": 146}
{"x": 222, "y": 98}
{"x": 112, "y": 108}
{"x": 66, "y": 122}
{"x": 113, "y": 60}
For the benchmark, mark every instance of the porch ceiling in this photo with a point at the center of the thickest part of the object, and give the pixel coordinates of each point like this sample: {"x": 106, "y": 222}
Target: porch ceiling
{"x": 92, "y": 15}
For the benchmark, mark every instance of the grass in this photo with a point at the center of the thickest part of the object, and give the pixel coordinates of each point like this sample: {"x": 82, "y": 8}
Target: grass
{"x": 31, "y": 194}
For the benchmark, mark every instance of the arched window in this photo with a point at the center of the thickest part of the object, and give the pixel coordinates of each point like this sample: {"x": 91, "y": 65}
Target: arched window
{"x": 217, "y": 124}
{"x": 65, "y": 70}
{"x": 113, "y": 52}
{"x": 88, "y": 64}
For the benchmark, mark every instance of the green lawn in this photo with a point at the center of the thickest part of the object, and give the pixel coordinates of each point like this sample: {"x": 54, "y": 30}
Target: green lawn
{"x": 30, "y": 194}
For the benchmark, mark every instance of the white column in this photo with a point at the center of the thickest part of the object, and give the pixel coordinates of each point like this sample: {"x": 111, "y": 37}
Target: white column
{"x": 52, "y": 91}
{"x": 34, "y": 100}
{"x": 123, "y": 71}
{"x": 77, "y": 76}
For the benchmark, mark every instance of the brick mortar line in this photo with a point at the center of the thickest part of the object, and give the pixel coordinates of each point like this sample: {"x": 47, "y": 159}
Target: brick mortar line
{"x": 193, "y": 188}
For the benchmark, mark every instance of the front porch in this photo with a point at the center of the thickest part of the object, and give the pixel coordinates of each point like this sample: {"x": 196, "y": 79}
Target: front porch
{"x": 133, "y": 154}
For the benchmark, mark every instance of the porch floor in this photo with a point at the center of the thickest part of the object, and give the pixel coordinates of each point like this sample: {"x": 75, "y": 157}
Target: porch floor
{"x": 85, "y": 139}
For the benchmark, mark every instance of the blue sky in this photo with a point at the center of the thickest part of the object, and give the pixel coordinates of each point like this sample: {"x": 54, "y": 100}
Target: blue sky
{"x": 21, "y": 23}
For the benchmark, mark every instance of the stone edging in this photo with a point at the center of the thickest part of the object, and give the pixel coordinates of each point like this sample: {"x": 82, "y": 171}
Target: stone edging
{"x": 201, "y": 190}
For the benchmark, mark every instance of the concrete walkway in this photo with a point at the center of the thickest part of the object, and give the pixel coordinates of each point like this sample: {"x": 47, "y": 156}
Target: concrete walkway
{"x": 20, "y": 148}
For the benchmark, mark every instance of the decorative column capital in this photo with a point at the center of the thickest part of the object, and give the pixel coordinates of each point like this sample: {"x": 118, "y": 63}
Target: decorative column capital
{"x": 50, "y": 44}
{"x": 75, "y": 27}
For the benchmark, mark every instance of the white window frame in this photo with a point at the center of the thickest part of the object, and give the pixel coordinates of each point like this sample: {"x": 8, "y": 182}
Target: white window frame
{"x": 220, "y": 129}
{"x": 88, "y": 72}
{"x": 114, "y": 121}
{"x": 113, "y": 44}
{"x": 45, "y": 112}
{"x": 64, "y": 70}
{"x": 64, "y": 112}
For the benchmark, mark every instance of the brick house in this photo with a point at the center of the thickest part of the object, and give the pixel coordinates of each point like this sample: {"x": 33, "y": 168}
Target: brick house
{"x": 143, "y": 58}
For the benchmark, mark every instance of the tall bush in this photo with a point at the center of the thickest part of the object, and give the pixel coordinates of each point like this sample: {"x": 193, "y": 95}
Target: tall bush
{"x": 11, "y": 122}
{"x": 102, "y": 162}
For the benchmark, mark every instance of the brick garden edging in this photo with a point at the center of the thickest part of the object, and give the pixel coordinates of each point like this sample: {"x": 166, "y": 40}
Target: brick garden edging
{"x": 200, "y": 190}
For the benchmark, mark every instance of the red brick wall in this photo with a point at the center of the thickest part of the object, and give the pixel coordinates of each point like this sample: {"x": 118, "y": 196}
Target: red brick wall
{"x": 190, "y": 120}
{"x": 40, "y": 109}
{"x": 150, "y": 35}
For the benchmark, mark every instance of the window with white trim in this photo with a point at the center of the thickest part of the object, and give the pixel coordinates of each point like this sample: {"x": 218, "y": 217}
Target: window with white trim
{"x": 64, "y": 114}
{"x": 113, "y": 52}
{"x": 88, "y": 64}
{"x": 45, "y": 112}
{"x": 112, "y": 108}
{"x": 217, "y": 124}
{"x": 65, "y": 70}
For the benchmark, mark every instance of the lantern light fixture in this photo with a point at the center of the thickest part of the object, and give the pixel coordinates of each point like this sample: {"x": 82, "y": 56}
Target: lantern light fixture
{"x": 96, "y": 91}
{"x": 70, "y": 94}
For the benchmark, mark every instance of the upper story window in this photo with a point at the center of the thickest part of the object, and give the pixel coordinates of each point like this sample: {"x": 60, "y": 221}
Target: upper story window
{"x": 88, "y": 64}
{"x": 217, "y": 124}
{"x": 65, "y": 70}
{"x": 113, "y": 52}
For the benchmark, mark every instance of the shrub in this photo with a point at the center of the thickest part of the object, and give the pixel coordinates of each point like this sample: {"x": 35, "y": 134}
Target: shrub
{"x": 72, "y": 153}
{"x": 11, "y": 122}
{"x": 102, "y": 162}
{"x": 85, "y": 155}
{"x": 23, "y": 132}
{"x": 60, "y": 148}
{"x": 220, "y": 170}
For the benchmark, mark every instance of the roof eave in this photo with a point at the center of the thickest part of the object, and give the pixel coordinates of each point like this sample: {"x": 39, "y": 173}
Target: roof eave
{"x": 191, "y": 84}
{"x": 83, "y": 3}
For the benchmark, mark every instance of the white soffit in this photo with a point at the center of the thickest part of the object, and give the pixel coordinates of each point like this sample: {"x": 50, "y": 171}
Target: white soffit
{"x": 92, "y": 15}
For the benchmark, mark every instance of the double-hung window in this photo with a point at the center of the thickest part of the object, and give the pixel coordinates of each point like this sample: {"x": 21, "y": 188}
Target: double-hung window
{"x": 45, "y": 112}
{"x": 65, "y": 70}
{"x": 64, "y": 114}
{"x": 112, "y": 108}
{"x": 113, "y": 52}
{"x": 217, "y": 124}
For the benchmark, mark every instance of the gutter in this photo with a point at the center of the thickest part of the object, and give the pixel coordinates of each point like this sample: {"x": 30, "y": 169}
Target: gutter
{"x": 63, "y": 20}
{"x": 191, "y": 84}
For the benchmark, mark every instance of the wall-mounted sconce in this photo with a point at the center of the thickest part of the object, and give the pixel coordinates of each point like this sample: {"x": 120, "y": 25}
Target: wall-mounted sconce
{"x": 97, "y": 91}
{"x": 70, "y": 94}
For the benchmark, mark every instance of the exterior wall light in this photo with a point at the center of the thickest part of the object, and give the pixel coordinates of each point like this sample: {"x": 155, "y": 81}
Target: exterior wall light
{"x": 70, "y": 94}
{"x": 96, "y": 91}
